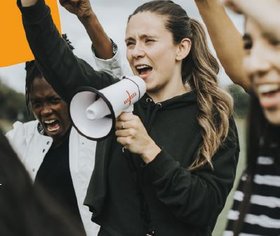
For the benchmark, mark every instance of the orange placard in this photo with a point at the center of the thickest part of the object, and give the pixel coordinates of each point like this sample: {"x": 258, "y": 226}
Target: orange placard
{"x": 14, "y": 48}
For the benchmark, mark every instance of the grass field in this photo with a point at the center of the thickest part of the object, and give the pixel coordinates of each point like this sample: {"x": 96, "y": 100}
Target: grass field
{"x": 221, "y": 223}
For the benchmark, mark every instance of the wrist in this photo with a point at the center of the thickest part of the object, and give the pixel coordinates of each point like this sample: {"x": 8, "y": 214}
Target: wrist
{"x": 150, "y": 152}
{"x": 88, "y": 17}
{"x": 28, "y": 3}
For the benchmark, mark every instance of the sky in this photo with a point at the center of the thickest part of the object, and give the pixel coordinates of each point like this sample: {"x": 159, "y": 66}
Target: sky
{"x": 113, "y": 15}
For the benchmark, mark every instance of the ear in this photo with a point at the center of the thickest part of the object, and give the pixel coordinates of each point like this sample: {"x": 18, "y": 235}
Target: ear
{"x": 183, "y": 49}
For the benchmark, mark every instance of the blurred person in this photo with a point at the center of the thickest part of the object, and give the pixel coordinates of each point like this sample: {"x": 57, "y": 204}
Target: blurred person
{"x": 181, "y": 143}
{"x": 255, "y": 210}
{"x": 258, "y": 201}
{"x": 27, "y": 211}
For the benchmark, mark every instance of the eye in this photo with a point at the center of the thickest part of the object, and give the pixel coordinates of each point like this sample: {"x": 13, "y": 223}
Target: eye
{"x": 247, "y": 42}
{"x": 36, "y": 104}
{"x": 55, "y": 100}
{"x": 274, "y": 42}
{"x": 129, "y": 43}
{"x": 149, "y": 40}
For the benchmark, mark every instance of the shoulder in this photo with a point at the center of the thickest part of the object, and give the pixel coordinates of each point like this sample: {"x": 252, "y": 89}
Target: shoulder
{"x": 30, "y": 125}
{"x": 21, "y": 134}
{"x": 22, "y": 129}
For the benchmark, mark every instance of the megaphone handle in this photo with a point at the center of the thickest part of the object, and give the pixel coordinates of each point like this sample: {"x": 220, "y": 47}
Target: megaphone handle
{"x": 129, "y": 109}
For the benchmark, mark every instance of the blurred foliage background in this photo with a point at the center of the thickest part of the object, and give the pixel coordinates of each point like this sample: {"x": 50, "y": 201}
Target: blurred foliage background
{"x": 241, "y": 100}
{"x": 12, "y": 107}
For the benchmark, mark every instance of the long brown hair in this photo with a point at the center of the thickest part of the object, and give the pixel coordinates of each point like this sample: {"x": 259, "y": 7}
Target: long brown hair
{"x": 199, "y": 70}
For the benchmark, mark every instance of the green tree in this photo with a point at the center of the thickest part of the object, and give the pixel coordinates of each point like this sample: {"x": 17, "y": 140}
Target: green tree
{"x": 12, "y": 104}
{"x": 241, "y": 100}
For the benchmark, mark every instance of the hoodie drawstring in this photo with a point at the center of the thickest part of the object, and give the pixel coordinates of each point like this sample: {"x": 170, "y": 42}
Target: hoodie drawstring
{"x": 152, "y": 109}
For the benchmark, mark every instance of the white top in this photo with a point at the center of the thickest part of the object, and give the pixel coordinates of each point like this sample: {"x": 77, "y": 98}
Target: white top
{"x": 31, "y": 147}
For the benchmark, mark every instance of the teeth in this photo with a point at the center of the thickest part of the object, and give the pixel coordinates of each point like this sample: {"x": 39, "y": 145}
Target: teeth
{"x": 49, "y": 121}
{"x": 141, "y": 67}
{"x": 51, "y": 129}
{"x": 266, "y": 88}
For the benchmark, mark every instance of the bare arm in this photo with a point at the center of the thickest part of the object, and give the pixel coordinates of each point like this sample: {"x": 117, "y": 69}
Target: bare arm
{"x": 264, "y": 12}
{"x": 226, "y": 39}
{"x": 28, "y": 3}
{"x": 101, "y": 43}
{"x": 82, "y": 9}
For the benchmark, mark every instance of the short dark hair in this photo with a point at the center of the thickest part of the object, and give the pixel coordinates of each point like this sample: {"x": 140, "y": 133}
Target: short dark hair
{"x": 32, "y": 72}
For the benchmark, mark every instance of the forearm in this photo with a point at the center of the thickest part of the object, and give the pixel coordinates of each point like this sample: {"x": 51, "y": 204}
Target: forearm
{"x": 150, "y": 152}
{"x": 63, "y": 70}
{"x": 226, "y": 39}
{"x": 189, "y": 194}
{"x": 28, "y": 3}
{"x": 178, "y": 189}
{"x": 264, "y": 12}
{"x": 101, "y": 43}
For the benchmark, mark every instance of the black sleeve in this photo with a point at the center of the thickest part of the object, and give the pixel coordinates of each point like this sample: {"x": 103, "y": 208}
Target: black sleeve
{"x": 63, "y": 70}
{"x": 196, "y": 197}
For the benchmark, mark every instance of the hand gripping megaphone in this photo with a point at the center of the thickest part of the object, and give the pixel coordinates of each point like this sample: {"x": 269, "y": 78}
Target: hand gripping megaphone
{"x": 93, "y": 112}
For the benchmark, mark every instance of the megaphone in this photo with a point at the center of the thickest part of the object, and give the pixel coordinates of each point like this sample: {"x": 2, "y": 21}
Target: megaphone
{"x": 93, "y": 112}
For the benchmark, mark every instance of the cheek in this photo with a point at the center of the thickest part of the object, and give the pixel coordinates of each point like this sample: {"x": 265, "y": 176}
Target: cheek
{"x": 36, "y": 112}
{"x": 246, "y": 64}
{"x": 272, "y": 54}
{"x": 252, "y": 65}
{"x": 64, "y": 112}
{"x": 166, "y": 62}
{"x": 276, "y": 59}
{"x": 128, "y": 55}
{"x": 61, "y": 108}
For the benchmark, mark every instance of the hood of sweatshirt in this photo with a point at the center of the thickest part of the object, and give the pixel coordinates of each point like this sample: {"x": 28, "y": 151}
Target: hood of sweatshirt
{"x": 148, "y": 110}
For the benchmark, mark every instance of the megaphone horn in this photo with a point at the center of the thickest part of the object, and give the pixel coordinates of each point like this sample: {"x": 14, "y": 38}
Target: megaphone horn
{"x": 93, "y": 112}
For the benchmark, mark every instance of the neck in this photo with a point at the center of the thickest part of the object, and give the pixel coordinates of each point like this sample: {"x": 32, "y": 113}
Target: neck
{"x": 163, "y": 96}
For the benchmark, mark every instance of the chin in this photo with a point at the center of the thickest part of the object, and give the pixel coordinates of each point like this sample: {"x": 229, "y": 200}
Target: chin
{"x": 53, "y": 135}
{"x": 273, "y": 117}
{"x": 56, "y": 133}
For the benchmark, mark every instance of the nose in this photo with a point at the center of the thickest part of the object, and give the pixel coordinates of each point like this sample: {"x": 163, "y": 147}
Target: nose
{"x": 46, "y": 110}
{"x": 137, "y": 51}
{"x": 257, "y": 62}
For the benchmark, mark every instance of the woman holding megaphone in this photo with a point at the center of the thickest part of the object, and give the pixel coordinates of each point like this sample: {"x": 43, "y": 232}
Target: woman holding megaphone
{"x": 181, "y": 144}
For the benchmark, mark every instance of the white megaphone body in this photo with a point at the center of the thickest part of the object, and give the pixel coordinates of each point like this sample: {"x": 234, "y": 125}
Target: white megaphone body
{"x": 93, "y": 112}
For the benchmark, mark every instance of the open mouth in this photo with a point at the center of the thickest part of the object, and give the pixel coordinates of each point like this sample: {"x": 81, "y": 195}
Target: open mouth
{"x": 51, "y": 125}
{"x": 143, "y": 70}
{"x": 269, "y": 94}
{"x": 268, "y": 89}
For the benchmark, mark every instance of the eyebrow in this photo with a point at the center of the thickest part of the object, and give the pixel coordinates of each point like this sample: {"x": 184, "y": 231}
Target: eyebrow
{"x": 141, "y": 37}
